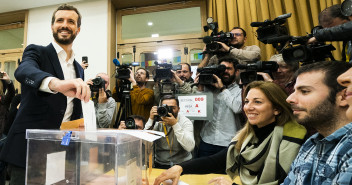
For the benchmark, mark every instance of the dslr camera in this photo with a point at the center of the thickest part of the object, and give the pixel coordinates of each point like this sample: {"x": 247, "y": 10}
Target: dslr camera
{"x": 250, "y": 73}
{"x": 98, "y": 83}
{"x": 130, "y": 123}
{"x": 123, "y": 70}
{"x": 211, "y": 41}
{"x": 206, "y": 73}
{"x": 163, "y": 111}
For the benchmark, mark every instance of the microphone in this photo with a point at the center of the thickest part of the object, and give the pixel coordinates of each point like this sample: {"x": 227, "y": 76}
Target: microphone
{"x": 279, "y": 39}
{"x": 207, "y": 39}
{"x": 284, "y": 16}
{"x": 257, "y": 24}
{"x": 116, "y": 62}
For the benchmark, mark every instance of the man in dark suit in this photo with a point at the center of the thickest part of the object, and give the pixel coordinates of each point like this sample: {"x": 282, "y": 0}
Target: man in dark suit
{"x": 52, "y": 89}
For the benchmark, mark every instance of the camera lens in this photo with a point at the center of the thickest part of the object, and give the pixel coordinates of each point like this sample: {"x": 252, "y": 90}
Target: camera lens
{"x": 162, "y": 111}
{"x": 130, "y": 124}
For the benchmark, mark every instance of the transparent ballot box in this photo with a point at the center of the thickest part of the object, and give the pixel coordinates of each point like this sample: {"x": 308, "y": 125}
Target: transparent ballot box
{"x": 84, "y": 157}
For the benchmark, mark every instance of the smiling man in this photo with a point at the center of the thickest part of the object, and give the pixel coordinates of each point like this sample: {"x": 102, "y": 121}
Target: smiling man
{"x": 319, "y": 101}
{"x": 52, "y": 88}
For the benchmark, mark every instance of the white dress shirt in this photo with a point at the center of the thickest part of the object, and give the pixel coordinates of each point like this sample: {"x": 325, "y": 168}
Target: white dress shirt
{"x": 69, "y": 72}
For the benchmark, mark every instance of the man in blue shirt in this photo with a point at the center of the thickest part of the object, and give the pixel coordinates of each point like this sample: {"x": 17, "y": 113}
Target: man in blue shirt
{"x": 319, "y": 101}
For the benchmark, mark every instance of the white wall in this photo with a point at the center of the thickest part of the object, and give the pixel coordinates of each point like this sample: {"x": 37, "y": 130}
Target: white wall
{"x": 91, "y": 41}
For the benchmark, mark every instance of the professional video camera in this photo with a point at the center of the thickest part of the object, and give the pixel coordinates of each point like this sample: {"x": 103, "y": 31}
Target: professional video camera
{"x": 163, "y": 111}
{"x": 123, "y": 70}
{"x": 273, "y": 32}
{"x": 98, "y": 83}
{"x": 274, "y": 29}
{"x": 164, "y": 75}
{"x": 250, "y": 73}
{"x": 163, "y": 71}
{"x": 130, "y": 123}
{"x": 211, "y": 41}
{"x": 307, "y": 53}
{"x": 206, "y": 73}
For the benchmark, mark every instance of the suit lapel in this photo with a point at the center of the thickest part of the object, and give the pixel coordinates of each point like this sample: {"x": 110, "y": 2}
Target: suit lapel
{"x": 55, "y": 61}
{"x": 79, "y": 70}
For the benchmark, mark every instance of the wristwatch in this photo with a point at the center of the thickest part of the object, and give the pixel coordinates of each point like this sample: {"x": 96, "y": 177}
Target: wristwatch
{"x": 230, "y": 49}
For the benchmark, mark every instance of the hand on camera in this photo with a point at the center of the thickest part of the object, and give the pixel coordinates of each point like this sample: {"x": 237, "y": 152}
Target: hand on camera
{"x": 265, "y": 76}
{"x": 196, "y": 81}
{"x": 153, "y": 112}
{"x": 102, "y": 96}
{"x": 131, "y": 79}
{"x": 169, "y": 120}
{"x": 122, "y": 126}
{"x": 176, "y": 79}
{"x": 218, "y": 84}
{"x": 312, "y": 40}
{"x": 225, "y": 48}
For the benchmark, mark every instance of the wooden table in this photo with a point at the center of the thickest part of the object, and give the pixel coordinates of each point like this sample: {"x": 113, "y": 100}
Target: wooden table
{"x": 191, "y": 179}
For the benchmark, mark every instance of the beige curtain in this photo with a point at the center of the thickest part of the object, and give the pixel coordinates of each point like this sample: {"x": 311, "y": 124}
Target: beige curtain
{"x": 230, "y": 13}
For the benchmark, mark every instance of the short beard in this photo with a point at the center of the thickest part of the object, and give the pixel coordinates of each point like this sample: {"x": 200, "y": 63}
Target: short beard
{"x": 141, "y": 83}
{"x": 238, "y": 46}
{"x": 228, "y": 81}
{"x": 322, "y": 117}
{"x": 65, "y": 41}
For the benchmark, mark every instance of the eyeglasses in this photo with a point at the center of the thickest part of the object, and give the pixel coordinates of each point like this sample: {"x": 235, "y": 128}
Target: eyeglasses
{"x": 237, "y": 34}
{"x": 179, "y": 71}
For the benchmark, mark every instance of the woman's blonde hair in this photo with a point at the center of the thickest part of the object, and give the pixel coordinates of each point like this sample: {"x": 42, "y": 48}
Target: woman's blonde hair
{"x": 277, "y": 97}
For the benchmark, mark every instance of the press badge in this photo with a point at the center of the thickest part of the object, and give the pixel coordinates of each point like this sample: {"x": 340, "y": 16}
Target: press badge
{"x": 66, "y": 139}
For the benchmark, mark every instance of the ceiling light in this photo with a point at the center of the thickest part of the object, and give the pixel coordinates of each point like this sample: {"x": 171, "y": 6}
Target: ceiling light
{"x": 155, "y": 35}
{"x": 150, "y": 23}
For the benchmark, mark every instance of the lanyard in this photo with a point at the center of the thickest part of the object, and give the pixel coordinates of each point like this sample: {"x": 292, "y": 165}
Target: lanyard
{"x": 167, "y": 139}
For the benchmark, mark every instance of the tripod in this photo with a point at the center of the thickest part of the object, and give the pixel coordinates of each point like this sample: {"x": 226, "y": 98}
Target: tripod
{"x": 125, "y": 109}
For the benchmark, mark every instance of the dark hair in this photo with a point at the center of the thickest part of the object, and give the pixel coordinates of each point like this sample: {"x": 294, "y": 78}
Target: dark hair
{"x": 230, "y": 60}
{"x": 189, "y": 66}
{"x": 332, "y": 70}
{"x": 67, "y": 7}
{"x": 329, "y": 13}
{"x": 146, "y": 71}
{"x": 170, "y": 97}
{"x": 244, "y": 32}
{"x": 138, "y": 117}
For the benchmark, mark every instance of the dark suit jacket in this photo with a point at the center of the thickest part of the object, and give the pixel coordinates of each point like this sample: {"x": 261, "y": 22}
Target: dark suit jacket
{"x": 38, "y": 110}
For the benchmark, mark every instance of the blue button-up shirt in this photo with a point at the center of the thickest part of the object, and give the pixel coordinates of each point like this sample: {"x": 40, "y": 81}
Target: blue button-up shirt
{"x": 324, "y": 161}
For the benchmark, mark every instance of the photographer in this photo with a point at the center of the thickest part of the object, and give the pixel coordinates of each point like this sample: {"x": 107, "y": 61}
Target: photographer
{"x": 337, "y": 27}
{"x": 104, "y": 104}
{"x": 176, "y": 147}
{"x": 139, "y": 123}
{"x": 235, "y": 49}
{"x": 227, "y": 108}
{"x": 182, "y": 81}
{"x": 142, "y": 98}
{"x": 284, "y": 76}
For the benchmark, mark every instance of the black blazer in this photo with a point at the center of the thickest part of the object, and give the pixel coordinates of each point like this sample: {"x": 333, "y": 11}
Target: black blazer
{"x": 38, "y": 110}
